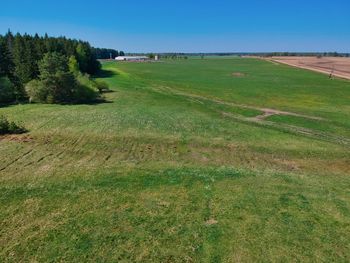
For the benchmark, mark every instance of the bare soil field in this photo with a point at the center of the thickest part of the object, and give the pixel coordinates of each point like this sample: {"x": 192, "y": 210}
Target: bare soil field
{"x": 339, "y": 67}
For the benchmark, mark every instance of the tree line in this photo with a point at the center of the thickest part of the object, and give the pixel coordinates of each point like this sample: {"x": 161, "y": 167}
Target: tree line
{"x": 47, "y": 69}
{"x": 266, "y": 54}
{"x": 106, "y": 53}
{"x": 303, "y": 54}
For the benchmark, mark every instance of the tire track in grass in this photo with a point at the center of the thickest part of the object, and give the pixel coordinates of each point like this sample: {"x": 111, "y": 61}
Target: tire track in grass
{"x": 260, "y": 119}
{"x": 200, "y": 99}
{"x": 38, "y": 160}
{"x": 44, "y": 157}
{"x": 138, "y": 149}
{"x": 16, "y": 160}
{"x": 318, "y": 135}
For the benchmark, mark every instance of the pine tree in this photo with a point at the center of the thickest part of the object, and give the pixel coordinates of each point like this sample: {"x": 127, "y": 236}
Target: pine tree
{"x": 6, "y": 65}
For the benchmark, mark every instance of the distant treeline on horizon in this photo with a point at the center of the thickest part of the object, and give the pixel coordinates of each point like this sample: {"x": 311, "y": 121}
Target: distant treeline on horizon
{"x": 260, "y": 54}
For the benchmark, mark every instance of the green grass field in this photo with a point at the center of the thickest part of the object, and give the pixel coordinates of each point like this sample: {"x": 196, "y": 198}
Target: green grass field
{"x": 181, "y": 165}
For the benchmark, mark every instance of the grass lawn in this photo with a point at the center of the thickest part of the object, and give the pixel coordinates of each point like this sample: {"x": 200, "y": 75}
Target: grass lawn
{"x": 177, "y": 166}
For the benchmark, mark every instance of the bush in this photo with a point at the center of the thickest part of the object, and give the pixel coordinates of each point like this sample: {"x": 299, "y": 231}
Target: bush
{"x": 7, "y": 93}
{"x": 15, "y": 128}
{"x": 7, "y": 127}
{"x": 59, "y": 88}
{"x": 4, "y": 125}
{"x": 85, "y": 90}
{"x": 101, "y": 86}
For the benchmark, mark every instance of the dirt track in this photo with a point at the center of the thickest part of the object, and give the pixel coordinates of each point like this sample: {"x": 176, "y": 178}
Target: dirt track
{"x": 339, "y": 67}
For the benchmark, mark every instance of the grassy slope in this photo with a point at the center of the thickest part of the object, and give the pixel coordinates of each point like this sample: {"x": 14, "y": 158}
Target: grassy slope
{"x": 137, "y": 179}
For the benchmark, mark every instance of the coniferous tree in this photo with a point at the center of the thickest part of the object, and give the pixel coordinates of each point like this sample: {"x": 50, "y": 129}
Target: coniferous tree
{"x": 7, "y": 90}
{"x": 20, "y": 58}
{"x": 6, "y": 63}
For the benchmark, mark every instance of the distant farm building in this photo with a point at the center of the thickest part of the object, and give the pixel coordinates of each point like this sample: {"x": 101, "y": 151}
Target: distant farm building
{"x": 131, "y": 58}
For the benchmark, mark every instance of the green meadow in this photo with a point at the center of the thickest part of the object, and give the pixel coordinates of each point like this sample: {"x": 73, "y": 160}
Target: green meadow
{"x": 198, "y": 160}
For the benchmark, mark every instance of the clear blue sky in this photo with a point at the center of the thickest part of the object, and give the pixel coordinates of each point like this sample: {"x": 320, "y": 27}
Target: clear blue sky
{"x": 188, "y": 25}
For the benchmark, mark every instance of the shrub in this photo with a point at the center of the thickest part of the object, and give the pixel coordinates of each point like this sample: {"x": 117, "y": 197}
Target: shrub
{"x": 7, "y": 127}
{"x": 7, "y": 93}
{"x": 85, "y": 90}
{"x": 4, "y": 125}
{"x": 101, "y": 86}
{"x": 15, "y": 128}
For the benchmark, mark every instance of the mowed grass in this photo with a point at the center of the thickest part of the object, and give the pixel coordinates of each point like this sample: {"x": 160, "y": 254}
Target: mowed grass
{"x": 174, "y": 168}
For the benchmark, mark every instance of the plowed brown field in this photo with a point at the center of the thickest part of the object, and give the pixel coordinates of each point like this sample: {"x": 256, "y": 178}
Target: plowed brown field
{"x": 339, "y": 67}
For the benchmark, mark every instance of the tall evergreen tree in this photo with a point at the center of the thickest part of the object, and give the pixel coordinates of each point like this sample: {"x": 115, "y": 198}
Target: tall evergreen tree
{"x": 6, "y": 64}
{"x": 23, "y": 71}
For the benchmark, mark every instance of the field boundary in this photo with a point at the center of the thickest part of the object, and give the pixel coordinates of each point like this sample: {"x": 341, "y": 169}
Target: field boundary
{"x": 314, "y": 69}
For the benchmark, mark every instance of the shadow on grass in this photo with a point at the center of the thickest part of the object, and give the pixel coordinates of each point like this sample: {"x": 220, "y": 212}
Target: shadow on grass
{"x": 11, "y": 104}
{"x": 93, "y": 102}
{"x": 5, "y": 105}
{"x": 73, "y": 103}
{"x": 107, "y": 91}
{"x": 104, "y": 73}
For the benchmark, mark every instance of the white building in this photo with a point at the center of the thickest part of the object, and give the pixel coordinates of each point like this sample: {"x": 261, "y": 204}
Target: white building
{"x": 131, "y": 58}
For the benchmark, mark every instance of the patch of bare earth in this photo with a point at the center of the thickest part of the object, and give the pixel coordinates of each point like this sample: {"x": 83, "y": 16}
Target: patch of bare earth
{"x": 211, "y": 222}
{"x": 238, "y": 74}
{"x": 270, "y": 112}
{"x": 17, "y": 138}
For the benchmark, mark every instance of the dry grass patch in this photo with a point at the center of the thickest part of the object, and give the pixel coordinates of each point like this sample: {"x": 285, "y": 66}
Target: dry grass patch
{"x": 238, "y": 74}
